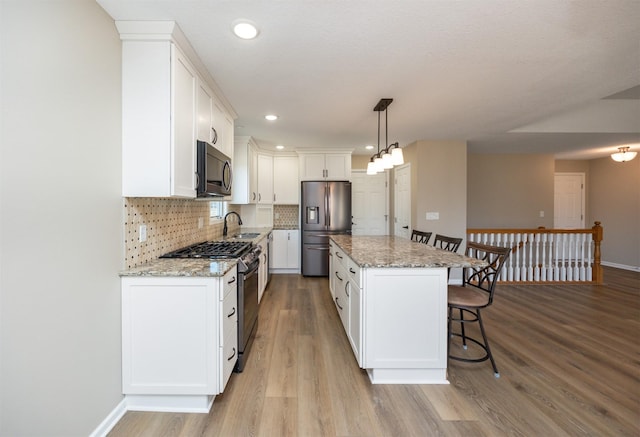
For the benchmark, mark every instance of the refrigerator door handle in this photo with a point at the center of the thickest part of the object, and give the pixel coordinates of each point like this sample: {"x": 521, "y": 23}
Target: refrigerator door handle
{"x": 327, "y": 212}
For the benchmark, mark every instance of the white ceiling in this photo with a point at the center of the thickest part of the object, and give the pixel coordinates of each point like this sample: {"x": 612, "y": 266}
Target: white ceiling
{"x": 508, "y": 76}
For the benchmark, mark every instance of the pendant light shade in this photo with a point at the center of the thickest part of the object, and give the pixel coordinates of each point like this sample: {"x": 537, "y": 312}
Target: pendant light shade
{"x": 387, "y": 161}
{"x": 371, "y": 168}
{"x": 397, "y": 157}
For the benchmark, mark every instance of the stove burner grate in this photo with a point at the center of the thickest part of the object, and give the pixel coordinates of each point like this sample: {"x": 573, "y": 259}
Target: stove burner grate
{"x": 212, "y": 250}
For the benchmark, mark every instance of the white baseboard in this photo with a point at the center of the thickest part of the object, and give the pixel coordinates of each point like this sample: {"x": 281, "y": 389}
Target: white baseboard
{"x": 621, "y": 266}
{"x": 110, "y": 421}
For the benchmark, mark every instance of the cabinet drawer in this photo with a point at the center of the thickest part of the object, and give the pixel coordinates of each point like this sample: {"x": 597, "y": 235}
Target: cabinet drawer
{"x": 340, "y": 256}
{"x": 230, "y": 283}
{"x": 229, "y": 316}
{"x": 353, "y": 271}
{"x": 229, "y": 356}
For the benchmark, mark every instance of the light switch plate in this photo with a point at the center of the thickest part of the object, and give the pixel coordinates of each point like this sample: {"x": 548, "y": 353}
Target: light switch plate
{"x": 143, "y": 233}
{"x": 433, "y": 216}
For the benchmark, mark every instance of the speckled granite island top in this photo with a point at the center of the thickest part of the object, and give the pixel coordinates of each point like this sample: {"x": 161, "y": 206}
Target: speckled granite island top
{"x": 391, "y": 251}
{"x": 182, "y": 267}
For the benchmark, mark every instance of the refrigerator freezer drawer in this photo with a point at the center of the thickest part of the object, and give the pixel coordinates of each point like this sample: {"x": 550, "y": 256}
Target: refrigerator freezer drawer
{"x": 315, "y": 259}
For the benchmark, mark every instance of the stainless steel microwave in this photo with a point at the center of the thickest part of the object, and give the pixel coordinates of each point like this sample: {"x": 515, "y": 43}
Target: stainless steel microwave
{"x": 213, "y": 171}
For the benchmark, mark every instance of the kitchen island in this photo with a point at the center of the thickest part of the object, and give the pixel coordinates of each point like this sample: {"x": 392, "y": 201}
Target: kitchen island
{"x": 391, "y": 295}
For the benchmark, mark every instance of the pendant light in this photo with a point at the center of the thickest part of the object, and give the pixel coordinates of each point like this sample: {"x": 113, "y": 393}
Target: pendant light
{"x": 391, "y": 154}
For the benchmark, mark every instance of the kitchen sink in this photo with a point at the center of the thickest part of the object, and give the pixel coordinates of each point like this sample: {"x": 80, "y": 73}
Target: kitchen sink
{"x": 246, "y": 235}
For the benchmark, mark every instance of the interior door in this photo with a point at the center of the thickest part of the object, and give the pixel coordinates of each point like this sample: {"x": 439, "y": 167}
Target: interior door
{"x": 370, "y": 206}
{"x": 568, "y": 201}
{"x": 402, "y": 203}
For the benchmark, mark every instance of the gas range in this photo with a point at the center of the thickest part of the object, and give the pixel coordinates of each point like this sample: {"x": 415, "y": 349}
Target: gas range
{"x": 244, "y": 250}
{"x": 212, "y": 250}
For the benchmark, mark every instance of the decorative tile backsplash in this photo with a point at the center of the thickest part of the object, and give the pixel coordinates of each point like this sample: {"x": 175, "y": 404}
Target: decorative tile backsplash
{"x": 285, "y": 216}
{"x": 171, "y": 224}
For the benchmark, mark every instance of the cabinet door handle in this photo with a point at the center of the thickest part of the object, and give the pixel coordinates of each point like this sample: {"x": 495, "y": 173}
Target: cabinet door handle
{"x": 233, "y": 279}
{"x": 232, "y": 355}
{"x": 233, "y": 311}
{"x": 338, "y": 276}
{"x": 338, "y": 303}
{"x": 353, "y": 272}
{"x": 274, "y": 197}
{"x": 259, "y": 197}
{"x": 254, "y": 196}
{"x": 346, "y": 289}
{"x": 215, "y": 135}
{"x": 338, "y": 255}
{"x": 405, "y": 227}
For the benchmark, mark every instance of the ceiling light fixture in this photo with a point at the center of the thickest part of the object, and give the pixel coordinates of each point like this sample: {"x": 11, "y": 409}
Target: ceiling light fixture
{"x": 271, "y": 117}
{"x": 279, "y": 147}
{"x": 391, "y": 154}
{"x": 623, "y": 155}
{"x": 245, "y": 30}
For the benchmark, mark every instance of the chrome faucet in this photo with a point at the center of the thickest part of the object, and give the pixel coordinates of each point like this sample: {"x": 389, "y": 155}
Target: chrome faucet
{"x": 225, "y": 229}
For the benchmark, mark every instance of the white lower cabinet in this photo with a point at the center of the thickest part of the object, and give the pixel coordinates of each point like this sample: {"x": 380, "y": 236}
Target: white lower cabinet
{"x": 286, "y": 250}
{"x": 263, "y": 270}
{"x": 395, "y": 319}
{"x": 179, "y": 340}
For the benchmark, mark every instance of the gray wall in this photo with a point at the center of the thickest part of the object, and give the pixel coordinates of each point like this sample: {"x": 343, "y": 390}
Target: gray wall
{"x": 614, "y": 191}
{"x": 509, "y": 191}
{"x": 61, "y": 242}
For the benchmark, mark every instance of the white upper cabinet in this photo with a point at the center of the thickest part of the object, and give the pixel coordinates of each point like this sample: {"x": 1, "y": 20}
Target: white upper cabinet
{"x": 325, "y": 166}
{"x": 166, "y": 106}
{"x": 158, "y": 121}
{"x": 245, "y": 171}
{"x": 286, "y": 185}
{"x": 265, "y": 178}
{"x": 206, "y": 131}
{"x": 215, "y": 125}
{"x": 223, "y": 129}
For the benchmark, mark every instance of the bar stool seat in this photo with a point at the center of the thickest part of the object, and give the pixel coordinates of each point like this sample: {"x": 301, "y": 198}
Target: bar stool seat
{"x": 467, "y": 296}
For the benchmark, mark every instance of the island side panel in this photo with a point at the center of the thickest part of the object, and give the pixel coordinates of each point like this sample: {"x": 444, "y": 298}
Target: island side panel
{"x": 405, "y": 325}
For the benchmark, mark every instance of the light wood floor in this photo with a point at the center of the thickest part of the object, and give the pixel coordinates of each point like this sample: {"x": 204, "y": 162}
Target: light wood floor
{"x": 568, "y": 357}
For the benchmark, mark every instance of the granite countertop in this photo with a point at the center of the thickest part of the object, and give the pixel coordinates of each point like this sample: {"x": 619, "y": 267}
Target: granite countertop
{"x": 390, "y": 251}
{"x": 194, "y": 267}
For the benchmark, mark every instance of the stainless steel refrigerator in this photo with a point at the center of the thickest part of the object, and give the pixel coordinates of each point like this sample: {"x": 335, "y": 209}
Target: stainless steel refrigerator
{"x": 326, "y": 210}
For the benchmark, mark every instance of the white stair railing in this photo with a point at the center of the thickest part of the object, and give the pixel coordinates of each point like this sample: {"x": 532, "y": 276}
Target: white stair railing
{"x": 546, "y": 255}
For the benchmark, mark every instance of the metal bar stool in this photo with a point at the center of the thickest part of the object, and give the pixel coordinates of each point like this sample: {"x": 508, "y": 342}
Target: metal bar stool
{"x": 475, "y": 293}
{"x": 420, "y": 236}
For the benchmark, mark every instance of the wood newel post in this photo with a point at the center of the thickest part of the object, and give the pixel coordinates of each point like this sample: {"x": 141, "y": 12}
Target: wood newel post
{"x": 597, "y": 267}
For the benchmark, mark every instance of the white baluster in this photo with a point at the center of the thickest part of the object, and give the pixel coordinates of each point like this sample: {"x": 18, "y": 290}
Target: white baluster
{"x": 536, "y": 267}
{"x": 509, "y": 266}
{"x": 590, "y": 242}
{"x": 517, "y": 263}
{"x": 563, "y": 266}
{"x": 583, "y": 241}
{"x": 543, "y": 270}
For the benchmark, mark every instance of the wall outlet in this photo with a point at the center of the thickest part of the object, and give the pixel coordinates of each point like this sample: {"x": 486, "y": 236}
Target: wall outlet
{"x": 200, "y": 222}
{"x": 142, "y": 236}
{"x": 541, "y": 213}
{"x": 433, "y": 216}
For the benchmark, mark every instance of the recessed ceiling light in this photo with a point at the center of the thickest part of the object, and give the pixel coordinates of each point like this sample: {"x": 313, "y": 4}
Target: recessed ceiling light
{"x": 245, "y": 30}
{"x": 271, "y": 117}
{"x": 369, "y": 147}
{"x": 279, "y": 147}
